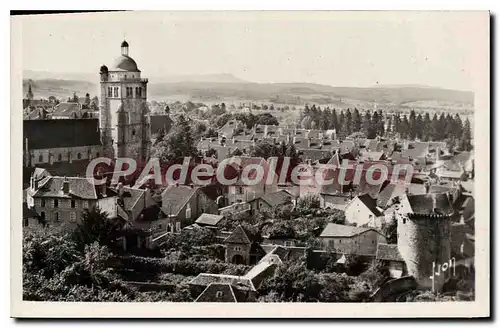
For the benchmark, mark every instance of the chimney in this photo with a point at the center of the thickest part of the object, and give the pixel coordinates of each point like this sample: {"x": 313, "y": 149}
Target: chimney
{"x": 119, "y": 188}
{"x": 34, "y": 183}
{"x": 65, "y": 186}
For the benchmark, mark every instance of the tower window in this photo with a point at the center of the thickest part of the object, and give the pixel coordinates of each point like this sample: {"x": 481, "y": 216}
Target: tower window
{"x": 110, "y": 92}
{"x": 115, "y": 92}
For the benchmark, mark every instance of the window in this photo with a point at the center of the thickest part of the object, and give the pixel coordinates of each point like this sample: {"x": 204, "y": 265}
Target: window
{"x": 97, "y": 154}
{"x": 340, "y": 241}
{"x": 133, "y": 132}
{"x": 72, "y": 217}
{"x": 331, "y": 243}
{"x": 115, "y": 92}
{"x": 25, "y": 222}
{"x": 59, "y": 157}
{"x": 42, "y": 202}
{"x": 373, "y": 241}
{"x": 188, "y": 212}
{"x": 110, "y": 92}
{"x": 404, "y": 220}
{"x": 125, "y": 76}
{"x": 40, "y": 158}
{"x": 239, "y": 190}
{"x": 138, "y": 92}
{"x": 219, "y": 294}
{"x": 159, "y": 226}
{"x": 85, "y": 204}
{"x": 42, "y": 214}
{"x": 79, "y": 156}
{"x": 56, "y": 216}
{"x": 237, "y": 248}
{"x": 73, "y": 203}
{"x": 178, "y": 226}
{"x": 56, "y": 203}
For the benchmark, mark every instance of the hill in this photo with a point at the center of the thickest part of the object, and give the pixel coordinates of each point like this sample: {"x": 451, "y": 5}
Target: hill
{"x": 220, "y": 87}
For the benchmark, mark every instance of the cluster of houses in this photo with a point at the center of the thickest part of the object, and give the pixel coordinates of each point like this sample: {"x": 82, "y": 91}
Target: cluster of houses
{"x": 430, "y": 203}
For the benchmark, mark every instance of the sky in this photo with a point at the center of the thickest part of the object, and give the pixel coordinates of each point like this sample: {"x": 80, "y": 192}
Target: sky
{"x": 355, "y": 49}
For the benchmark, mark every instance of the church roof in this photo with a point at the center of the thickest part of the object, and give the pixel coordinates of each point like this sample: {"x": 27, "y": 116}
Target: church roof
{"x": 45, "y": 134}
{"x": 124, "y": 63}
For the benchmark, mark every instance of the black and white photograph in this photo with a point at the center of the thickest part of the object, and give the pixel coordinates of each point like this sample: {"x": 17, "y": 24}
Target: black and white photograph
{"x": 273, "y": 158}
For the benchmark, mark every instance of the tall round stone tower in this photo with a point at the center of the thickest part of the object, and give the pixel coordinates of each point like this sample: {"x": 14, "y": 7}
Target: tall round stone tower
{"x": 424, "y": 239}
{"x": 124, "y": 114}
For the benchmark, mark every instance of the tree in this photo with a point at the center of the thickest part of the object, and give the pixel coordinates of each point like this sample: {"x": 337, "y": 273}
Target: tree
{"x": 266, "y": 119}
{"x": 177, "y": 144}
{"x": 87, "y": 100}
{"x": 466, "y": 138}
{"x": 368, "y": 128}
{"x": 74, "y": 99}
{"x": 347, "y": 124}
{"x": 356, "y": 121}
{"x": 390, "y": 231}
{"x": 95, "y": 226}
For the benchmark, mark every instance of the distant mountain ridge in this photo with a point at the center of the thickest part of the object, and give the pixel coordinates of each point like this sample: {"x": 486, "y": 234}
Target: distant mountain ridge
{"x": 217, "y": 87}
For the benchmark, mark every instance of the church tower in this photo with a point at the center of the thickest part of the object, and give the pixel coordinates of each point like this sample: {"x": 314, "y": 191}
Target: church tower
{"x": 123, "y": 110}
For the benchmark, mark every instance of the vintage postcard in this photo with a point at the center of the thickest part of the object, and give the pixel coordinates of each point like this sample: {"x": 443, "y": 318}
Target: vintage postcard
{"x": 250, "y": 164}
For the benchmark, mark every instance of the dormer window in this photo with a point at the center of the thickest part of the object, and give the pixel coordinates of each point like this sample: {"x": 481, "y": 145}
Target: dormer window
{"x": 219, "y": 294}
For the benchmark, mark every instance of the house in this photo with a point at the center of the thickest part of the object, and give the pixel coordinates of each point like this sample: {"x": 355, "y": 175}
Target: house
{"x": 70, "y": 111}
{"x": 271, "y": 201}
{"x": 256, "y": 186}
{"x": 342, "y": 239}
{"x": 139, "y": 213}
{"x": 209, "y": 220}
{"x": 241, "y": 286}
{"x": 184, "y": 203}
{"x": 390, "y": 256}
{"x": 218, "y": 292}
{"x": 31, "y": 219}
{"x": 334, "y": 200}
{"x": 62, "y": 200}
{"x": 363, "y": 210}
{"x": 242, "y": 247}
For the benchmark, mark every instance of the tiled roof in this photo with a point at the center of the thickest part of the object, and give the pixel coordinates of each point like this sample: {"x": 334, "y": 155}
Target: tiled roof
{"x": 205, "y": 279}
{"x": 415, "y": 150}
{"x": 209, "y": 219}
{"x": 315, "y": 154}
{"x": 238, "y": 236}
{"x": 388, "y": 252}
{"x": 68, "y": 110}
{"x": 131, "y": 196}
{"x": 175, "y": 197}
{"x": 340, "y": 230}
{"x": 44, "y": 134}
{"x": 277, "y": 198}
{"x": 430, "y": 204}
{"x": 78, "y": 187}
{"x": 371, "y": 203}
{"x": 217, "y": 292}
{"x": 391, "y": 191}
